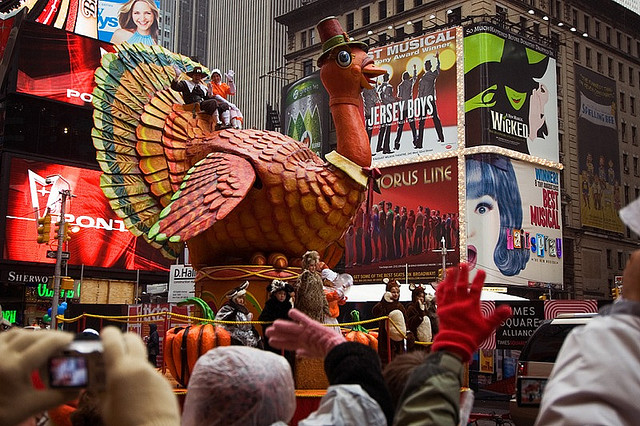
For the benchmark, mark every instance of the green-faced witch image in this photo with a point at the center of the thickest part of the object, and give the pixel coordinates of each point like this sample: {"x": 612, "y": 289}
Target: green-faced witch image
{"x": 505, "y": 92}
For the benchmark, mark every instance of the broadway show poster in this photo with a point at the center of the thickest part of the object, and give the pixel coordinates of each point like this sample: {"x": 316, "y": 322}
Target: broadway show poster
{"x": 128, "y": 20}
{"x": 71, "y": 61}
{"x": 306, "y": 114}
{"x": 510, "y": 92}
{"x": 98, "y": 235}
{"x": 412, "y": 111}
{"x": 418, "y": 207}
{"x": 514, "y": 229}
{"x": 598, "y": 154}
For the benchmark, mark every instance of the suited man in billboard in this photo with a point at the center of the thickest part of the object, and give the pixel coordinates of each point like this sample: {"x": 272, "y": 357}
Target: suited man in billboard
{"x": 426, "y": 88}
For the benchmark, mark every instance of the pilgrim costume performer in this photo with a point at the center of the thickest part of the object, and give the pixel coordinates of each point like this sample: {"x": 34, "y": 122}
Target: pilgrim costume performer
{"x": 234, "y": 309}
{"x": 195, "y": 91}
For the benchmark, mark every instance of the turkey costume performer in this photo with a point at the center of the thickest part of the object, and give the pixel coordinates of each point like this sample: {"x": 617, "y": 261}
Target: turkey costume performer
{"x": 234, "y": 310}
{"x": 418, "y": 321}
{"x": 386, "y": 307}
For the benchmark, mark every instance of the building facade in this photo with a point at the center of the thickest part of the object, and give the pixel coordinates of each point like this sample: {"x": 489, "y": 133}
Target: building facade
{"x": 597, "y": 43}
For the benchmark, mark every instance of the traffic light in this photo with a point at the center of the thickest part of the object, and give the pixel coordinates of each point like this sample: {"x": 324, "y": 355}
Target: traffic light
{"x": 44, "y": 229}
{"x": 543, "y": 297}
{"x": 66, "y": 283}
{"x": 615, "y": 292}
{"x": 66, "y": 233}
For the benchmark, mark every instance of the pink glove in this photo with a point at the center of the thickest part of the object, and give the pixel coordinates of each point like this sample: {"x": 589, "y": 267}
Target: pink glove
{"x": 462, "y": 326}
{"x": 307, "y": 337}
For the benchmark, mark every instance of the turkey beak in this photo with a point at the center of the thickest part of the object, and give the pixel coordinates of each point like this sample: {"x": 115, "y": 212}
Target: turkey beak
{"x": 370, "y": 72}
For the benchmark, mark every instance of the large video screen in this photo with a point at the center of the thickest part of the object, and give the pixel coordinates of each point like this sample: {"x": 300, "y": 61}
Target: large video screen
{"x": 101, "y": 238}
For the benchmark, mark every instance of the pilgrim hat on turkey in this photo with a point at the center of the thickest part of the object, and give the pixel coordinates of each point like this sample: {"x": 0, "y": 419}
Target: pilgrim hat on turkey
{"x": 333, "y": 36}
{"x": 197, "y": 70}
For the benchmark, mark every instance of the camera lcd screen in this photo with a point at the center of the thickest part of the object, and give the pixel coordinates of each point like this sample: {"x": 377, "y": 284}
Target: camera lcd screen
{"x": 68, "y": 372}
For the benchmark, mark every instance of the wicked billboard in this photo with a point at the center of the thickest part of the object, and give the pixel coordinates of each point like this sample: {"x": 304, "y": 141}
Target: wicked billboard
{"x": 417, "y": 209}
{"x": 101, "y": 238}
{"x": 598, "y": 155}
{"x": 510, "y": 92}
{"x": 412, "y": 111}
{"x": 514, "y": 229}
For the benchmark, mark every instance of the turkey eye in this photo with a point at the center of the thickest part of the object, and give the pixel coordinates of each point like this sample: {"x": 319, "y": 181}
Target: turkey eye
{"x": 343, "y": 59}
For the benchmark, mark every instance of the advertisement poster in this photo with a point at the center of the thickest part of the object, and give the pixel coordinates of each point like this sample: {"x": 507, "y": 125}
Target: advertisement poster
{"x": 510, "y": 92}
{"x": 514, "y": 331}
{"x": 128, "y": 20}
{"x": 98, "y": 238}
{"x": 514, "y": 227}
{"x": 598, "y": 154}
{"x": 71, "y": 62}
{"x": 305, "y": 111}
{"x": 412, "y": 110}
{"x": 75, "y": 16}
{"x": 418, "y": 207}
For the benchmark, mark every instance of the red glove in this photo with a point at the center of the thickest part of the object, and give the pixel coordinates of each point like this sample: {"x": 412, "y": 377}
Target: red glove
{"x": 307, "y": 337}
{"x": 462, "y": 326}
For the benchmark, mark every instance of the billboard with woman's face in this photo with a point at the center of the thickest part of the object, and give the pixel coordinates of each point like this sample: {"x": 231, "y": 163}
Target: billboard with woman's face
{"x": 513, "y": 218}
{"x": 510, "y": 92}
{"x": 133, "y": 21}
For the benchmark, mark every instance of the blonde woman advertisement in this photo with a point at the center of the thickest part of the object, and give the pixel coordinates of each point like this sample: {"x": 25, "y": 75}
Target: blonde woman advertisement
{"x": 138, "y": 21}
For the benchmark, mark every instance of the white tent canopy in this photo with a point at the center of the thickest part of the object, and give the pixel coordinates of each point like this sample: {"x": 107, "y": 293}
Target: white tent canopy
{"x": 374, "y": 292}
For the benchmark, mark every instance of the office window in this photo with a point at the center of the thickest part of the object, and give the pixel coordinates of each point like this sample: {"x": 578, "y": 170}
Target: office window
{"x": 350, "y": 23}
{"x": 599, "y": 61}
{"x": 635, "y": 167}
{"x": 417, "y": 27}
{"x": 417, "y": 3}
{"x": 610, "y": 67}
{"x": 303, "y": 39}
{"x": 382, "y": 38}
{"x": 618, "y": 40}
{"x": 307, "y": 67}
{"x": 587, "y": 56}
{"x": 620, "y": 71}
{"x": 625, "y": 163}
{"x": 629, "y": 45}
{"x": 574, "y": 16}
{"x": 620, "y": 260}
{"x": 608, "y": 35}
{"x": 366, "y": 16}
{"x": 559, "y": 108}
{"x": 608, "y": 258}
{"x": 632, "y": 105}
{"x": 631, "y": 79}
{"x": 622, "y": 102}
{"x": 312, "y": 36}
{"x": 536, "y": 28}
{"x": 626, "y": 194}
{"x": 382, "y": 9}
{"x": 455, "y": 17}
{"x": 399, "y": 33}
{"x": 576, "y": 51}
{"x": 399, "y": 6}
{"x": 523, "y": 25}
{"x": 634, "y": 135}
{"x": 597, "y": 29}
{"x": 623, "y": 131}
{"x": 586, "y": 23}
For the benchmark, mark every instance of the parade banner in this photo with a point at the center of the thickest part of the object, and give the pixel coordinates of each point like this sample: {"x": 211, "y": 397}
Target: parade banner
{"x": 305, "y": 111}
{"x": 71, "y": 61}
{"x": 510, "y": 92}
{"x": 139, "y": 18}
{"x": 100, "y": 238}
{"x": 514, "y": 226}
{"x": 598, "y": 153}
{"x": 412, "y": 111}
{"x": 417, "y": 209}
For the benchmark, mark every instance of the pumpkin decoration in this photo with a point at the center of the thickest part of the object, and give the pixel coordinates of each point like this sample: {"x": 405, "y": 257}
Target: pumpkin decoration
{"x": 360, "y": 334}
{"x": 184, "y": 345}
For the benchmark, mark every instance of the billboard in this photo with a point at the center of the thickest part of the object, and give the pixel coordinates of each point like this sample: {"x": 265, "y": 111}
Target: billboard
{"x": 418, "y": 207}
{"x": 598, "y": 153}
{"x": 412, "y": 111}
{"x": 514, "y": 223}
{"x": 75, "y": 16}
{"x": 510, "y": 96}
{"x": 71, "y": 61}
{"x": 305, "y": 111}
{"x": 101, "y": 239}
{"x": 133, "y": 21}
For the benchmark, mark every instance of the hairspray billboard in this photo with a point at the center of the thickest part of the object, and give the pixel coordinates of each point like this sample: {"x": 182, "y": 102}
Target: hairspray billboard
{"x": 306, "y": 114}
{"x": 513, "y": 218}
{"x": 510, "y": 92}
{"x": 409, "y": 222}
{"x": 98, "y": 236}
{"x": 598, "y": 154}
{"x": 412, "y": 111}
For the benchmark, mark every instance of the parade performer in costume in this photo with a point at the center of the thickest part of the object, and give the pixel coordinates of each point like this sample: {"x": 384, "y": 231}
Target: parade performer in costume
{"x": 276, "y": 307}
{"x": 335, "y": 286}
{"x": 418, "y": 321}
{"x": 309, "y": 293}
{"x": 228, "y": 113}
{"x": 138, "y": 21}
{"x": 195, "y": 91}
{"x": 391, "y": 307}
{"x": 235, "y": 310}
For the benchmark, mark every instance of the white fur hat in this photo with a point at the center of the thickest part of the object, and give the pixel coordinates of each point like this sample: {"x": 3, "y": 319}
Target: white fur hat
{"x": 328, "y": 274}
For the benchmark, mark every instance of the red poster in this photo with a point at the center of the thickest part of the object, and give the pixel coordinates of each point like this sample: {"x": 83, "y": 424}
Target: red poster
{"x": 101, "y": 238}
{"x": 420, "y": 209}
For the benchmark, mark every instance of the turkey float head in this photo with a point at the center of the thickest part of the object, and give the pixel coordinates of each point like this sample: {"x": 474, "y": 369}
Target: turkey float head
{"x": 231, "y": 195}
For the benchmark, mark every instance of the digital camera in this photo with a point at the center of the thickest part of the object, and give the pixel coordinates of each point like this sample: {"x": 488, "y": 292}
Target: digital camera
{"x": 79, "y": 365}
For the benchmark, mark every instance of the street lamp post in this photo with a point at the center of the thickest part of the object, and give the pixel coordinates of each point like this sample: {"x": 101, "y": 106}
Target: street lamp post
{"x": 65, "y": 193}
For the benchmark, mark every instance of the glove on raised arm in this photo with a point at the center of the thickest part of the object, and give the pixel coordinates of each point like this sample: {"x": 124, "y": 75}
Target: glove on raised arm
{"x": 230, "y": 75}
{"x": 137, "y": 395}
{"x": 307, "y": 337}
{"x": 462, "y": 326}
{"x": 22, "y": 352}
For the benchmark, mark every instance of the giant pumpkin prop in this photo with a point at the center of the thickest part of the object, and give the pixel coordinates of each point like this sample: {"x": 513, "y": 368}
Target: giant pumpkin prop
{"x": 184, "y": 345}
{"x": 360, "y": 334}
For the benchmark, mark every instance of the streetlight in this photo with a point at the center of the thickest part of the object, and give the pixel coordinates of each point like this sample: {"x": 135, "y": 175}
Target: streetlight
{"x": 64, "y": 193}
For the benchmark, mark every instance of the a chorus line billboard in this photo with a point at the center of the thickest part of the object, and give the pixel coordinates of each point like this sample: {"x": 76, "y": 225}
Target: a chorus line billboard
{"x": 514, "y": 221}
{"x": 70, "y": 59}
{"x": 412, "y": 111}
{"x": 598, "y": 154}
{"x": 510, "y": 92}
{"x": 417, "y": 209}
{"x": 101, "y": 239}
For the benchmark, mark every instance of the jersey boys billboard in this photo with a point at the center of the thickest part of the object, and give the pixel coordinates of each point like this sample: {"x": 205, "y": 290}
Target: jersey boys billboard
{"x": 412, "y": 111}
{"x": 514, "y": 229}
{"x": 510, "y": 92}
{"x": 101, "y": 238}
